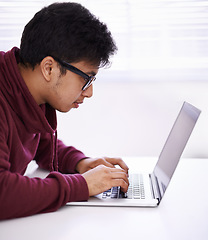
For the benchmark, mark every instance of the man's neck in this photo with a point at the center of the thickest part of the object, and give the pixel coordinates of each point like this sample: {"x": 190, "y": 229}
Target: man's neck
{"x": 32, "y": 79}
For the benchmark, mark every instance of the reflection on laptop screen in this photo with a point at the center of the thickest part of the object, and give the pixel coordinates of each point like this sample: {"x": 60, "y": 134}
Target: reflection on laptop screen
{"x": 175, "y": 144}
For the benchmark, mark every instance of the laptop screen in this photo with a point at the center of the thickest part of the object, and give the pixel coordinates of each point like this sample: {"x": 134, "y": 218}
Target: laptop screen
{"x": 175, "y": 145}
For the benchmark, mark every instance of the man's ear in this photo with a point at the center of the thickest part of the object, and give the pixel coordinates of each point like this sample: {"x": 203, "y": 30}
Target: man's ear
{"x": 47, "y": 65}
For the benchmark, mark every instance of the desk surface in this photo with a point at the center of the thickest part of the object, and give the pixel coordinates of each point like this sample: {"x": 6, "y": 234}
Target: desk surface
{"x": 182, "y": 214}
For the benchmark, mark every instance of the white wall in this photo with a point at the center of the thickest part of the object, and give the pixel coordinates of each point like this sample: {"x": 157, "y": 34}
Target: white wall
{"x": 134, "y": 119}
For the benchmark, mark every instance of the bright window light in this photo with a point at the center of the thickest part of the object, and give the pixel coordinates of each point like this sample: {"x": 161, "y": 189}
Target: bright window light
{"x": 156, "y": 38}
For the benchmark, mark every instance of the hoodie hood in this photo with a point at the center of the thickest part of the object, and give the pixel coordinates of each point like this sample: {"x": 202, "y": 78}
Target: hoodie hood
{"x": 37, "y": 119}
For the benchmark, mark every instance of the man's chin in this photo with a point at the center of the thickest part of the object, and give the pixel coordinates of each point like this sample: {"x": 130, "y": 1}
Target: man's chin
{"x": 65, "y": 110}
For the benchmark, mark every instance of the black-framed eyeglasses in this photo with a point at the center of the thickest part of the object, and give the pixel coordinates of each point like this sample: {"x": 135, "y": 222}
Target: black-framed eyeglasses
{"x": 89, "y": 79}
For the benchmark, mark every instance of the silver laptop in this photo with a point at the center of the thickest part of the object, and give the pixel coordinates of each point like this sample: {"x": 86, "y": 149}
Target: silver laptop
{"x": 147, "y": 190}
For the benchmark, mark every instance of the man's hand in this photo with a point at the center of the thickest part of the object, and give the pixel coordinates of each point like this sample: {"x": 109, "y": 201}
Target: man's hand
{"x": 101, "y": 174}
{"x": 102, "y": 178}
{"x": 89, "y": 163}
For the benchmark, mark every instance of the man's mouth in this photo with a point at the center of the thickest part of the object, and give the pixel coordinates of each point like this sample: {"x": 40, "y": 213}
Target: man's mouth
{"x": 76, "y": 104}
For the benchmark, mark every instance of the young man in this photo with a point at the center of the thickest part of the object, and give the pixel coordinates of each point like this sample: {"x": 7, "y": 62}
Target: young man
{"x": 61, "y": 50}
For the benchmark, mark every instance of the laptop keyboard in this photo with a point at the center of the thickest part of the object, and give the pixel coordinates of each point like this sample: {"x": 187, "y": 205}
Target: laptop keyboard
{"x": 135, "y": 190}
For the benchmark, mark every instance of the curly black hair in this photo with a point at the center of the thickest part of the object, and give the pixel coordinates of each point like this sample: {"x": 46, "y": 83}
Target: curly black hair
{"x": 67, "y": 31}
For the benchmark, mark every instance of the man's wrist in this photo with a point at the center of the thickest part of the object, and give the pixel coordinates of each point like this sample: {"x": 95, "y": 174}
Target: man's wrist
{"x": 78, "y": 166}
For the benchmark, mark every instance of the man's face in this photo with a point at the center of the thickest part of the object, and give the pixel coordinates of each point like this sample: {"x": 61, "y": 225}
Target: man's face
{"x": 66, "y": 90}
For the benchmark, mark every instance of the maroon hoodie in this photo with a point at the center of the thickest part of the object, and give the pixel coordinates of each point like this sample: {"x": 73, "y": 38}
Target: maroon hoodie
{"x": 27, "y": 132}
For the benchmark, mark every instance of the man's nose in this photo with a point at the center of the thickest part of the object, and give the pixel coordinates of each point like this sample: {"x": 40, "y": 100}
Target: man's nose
{"x": 88, "y": 92}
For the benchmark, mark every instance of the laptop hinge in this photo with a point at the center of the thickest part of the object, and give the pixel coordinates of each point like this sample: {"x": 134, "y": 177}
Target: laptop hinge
{"x": 155, "y": 187}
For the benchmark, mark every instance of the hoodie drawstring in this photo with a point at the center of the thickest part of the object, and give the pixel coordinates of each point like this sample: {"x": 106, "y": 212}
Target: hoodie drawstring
{"x": 54, "y": 159}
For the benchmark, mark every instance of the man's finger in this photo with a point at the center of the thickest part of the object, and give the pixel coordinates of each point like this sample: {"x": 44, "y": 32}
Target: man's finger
{"x": 118, "y": 161}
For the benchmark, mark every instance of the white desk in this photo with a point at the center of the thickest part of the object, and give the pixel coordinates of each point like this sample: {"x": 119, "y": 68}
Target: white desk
{"x": 182, "y": 214}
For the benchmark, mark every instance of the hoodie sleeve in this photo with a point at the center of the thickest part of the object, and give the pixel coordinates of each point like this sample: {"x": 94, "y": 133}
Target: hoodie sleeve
{"x": 22, "y": 196}
{"x": 68, "y": 156}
